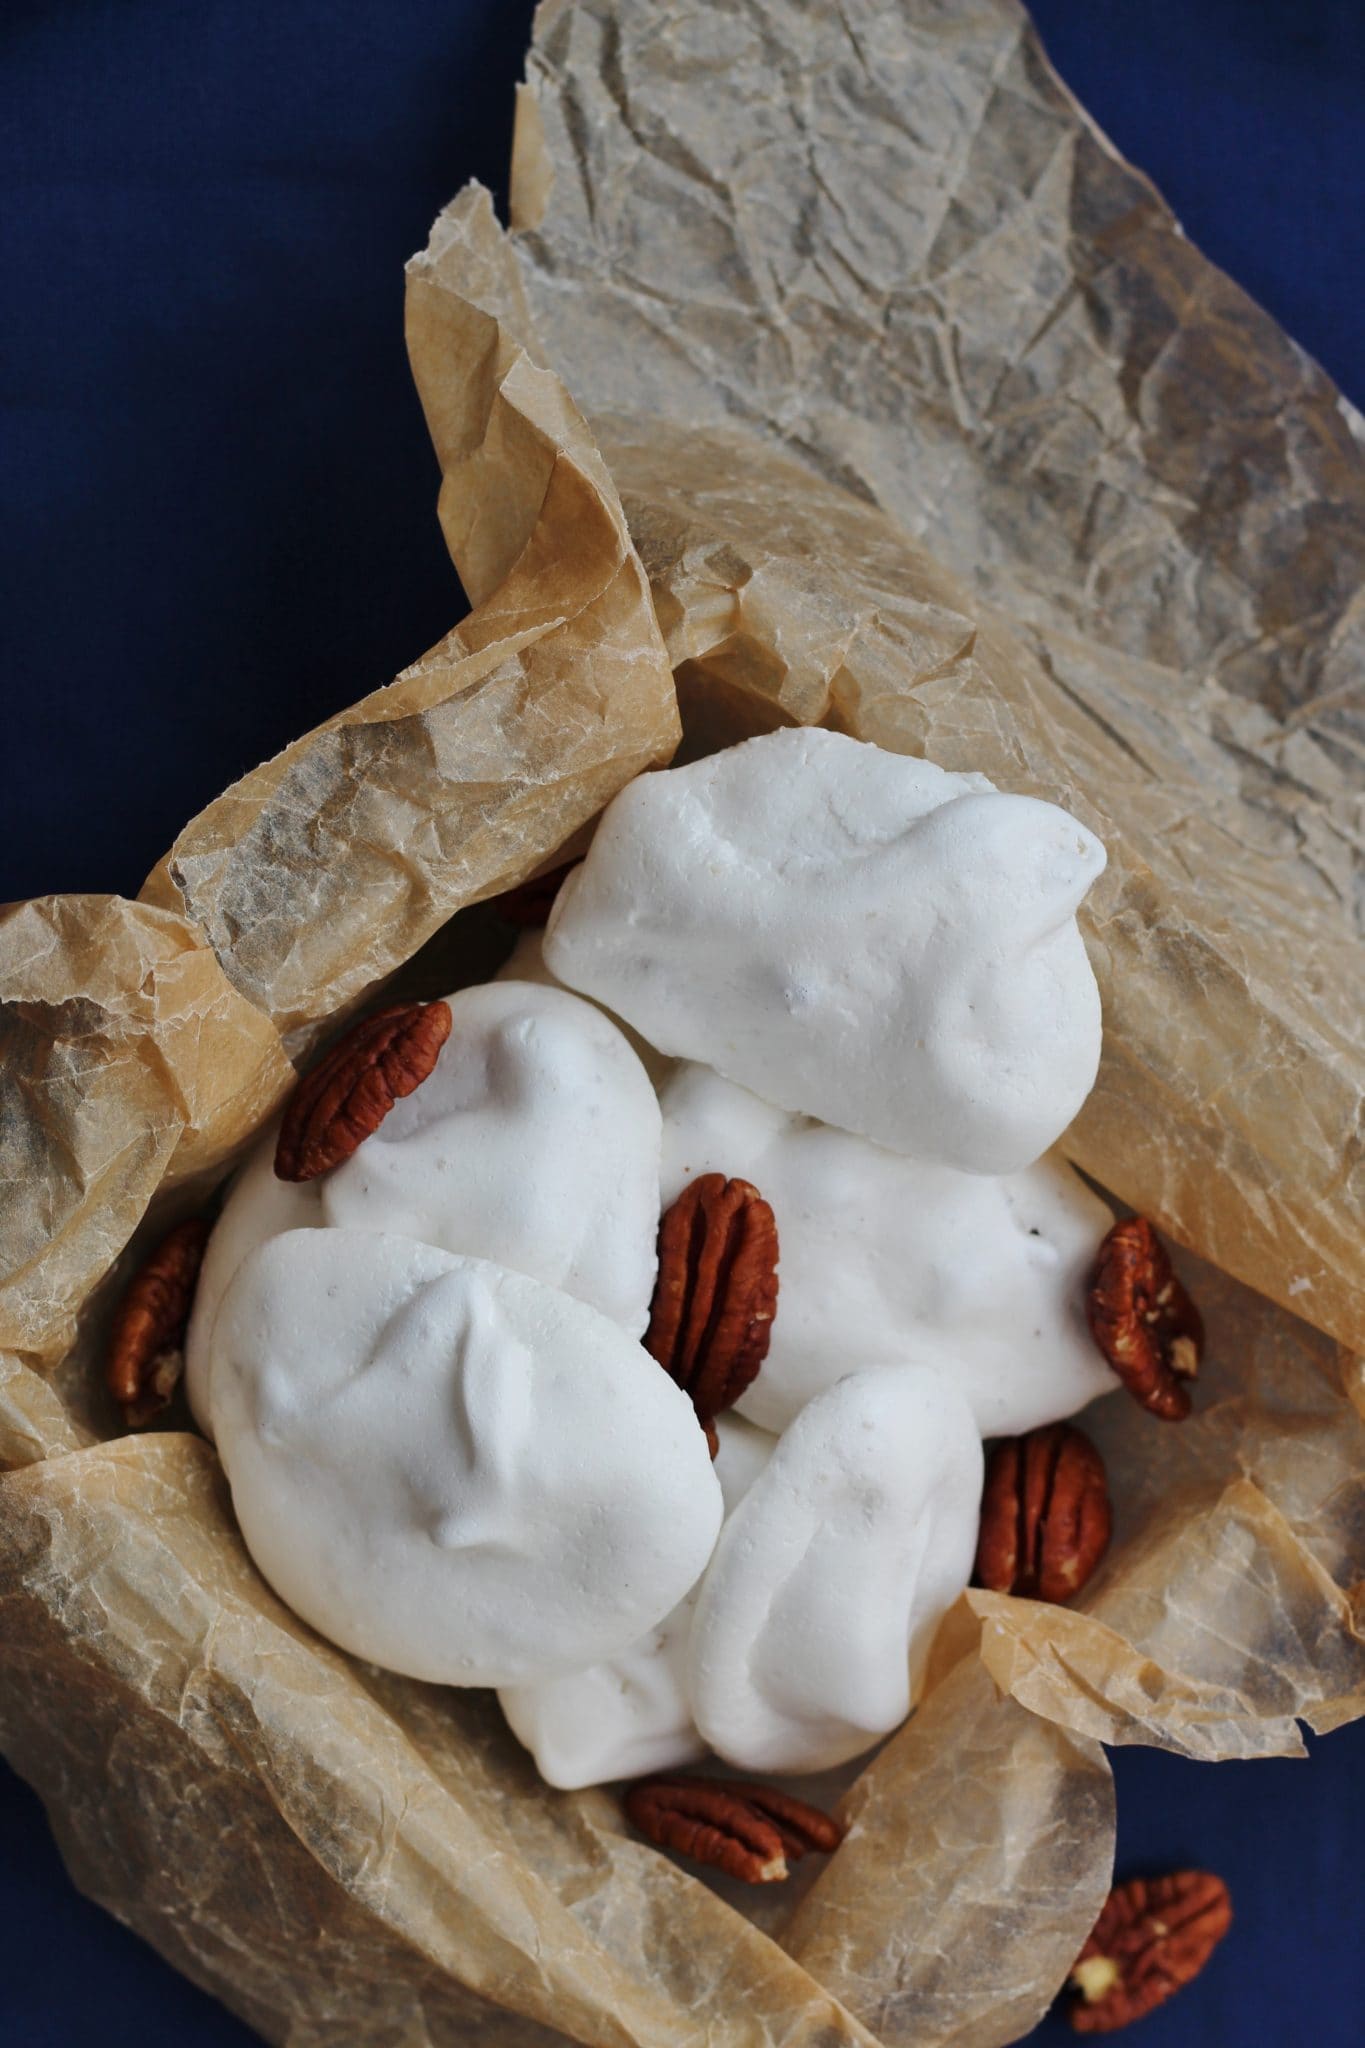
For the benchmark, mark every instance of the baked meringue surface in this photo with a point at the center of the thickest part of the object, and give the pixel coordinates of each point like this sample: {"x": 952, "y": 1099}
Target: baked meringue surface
{"x": 450, "y": 1469}
{"x": 534, "y": 1143}
{"x": 631, "y": 1714}
{"x": 816, "y": 1615}
{"x": 890, "y": 1260}
{"x": 258, "y": 1207}
{"x": 847, "y": 977}
{"x": 855, "y": 935}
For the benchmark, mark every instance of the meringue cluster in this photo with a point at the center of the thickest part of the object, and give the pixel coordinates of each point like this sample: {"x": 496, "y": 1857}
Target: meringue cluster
{"x": 848, "y": 977}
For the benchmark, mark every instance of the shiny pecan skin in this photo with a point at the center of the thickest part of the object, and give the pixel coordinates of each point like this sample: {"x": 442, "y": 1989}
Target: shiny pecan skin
{"x": 530, "y": 903}
{"x": 752, "y": 1831}
{"x": 1153, "y": 1935}
{"x": 143, "y": 1361}
{"x": 353, "y": 1087}
{"x": 716, "y": 1293}
{"x": 1045, "y": 1515}
{"x": 1143, "y": 1320}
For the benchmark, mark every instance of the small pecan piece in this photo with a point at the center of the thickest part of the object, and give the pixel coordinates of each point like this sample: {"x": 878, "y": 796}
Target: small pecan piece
{"x": 144, "y": 1360}
{"x": 1143, "y": 1320}
{"x": 716, "y": 1293}
{"x": 530, "y": 903}
{"x": 752, "y": 1831}
{"x": 1045, "y": 1515}
{"x": 353, "y": 1087}
{"x": 1153, "y": 1935}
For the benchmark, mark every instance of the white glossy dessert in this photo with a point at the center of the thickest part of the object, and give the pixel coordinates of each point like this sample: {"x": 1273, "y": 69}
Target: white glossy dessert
{"x": 631, "y": 1714}
{"x": 526, "y": 962}
{"x": 450, "y": 1469}
{"x": 852, "y": 934}
{"x": 818, "y": 1609}
{"x": 888, "y": 1260}
{"x": 856, "y": 982}
{"x": 534, "y": 1143}
{"x": 258, "y": 1207}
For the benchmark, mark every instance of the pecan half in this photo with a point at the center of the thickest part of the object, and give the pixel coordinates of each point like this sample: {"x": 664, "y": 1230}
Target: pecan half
{"x": 1143, "y": 1320}
{"x": 353, "y": 1087}
{"x": 716, "y": 1293}
{"x": 752, "y": 1831}
{"x": 1153, "y": 1935}
{"x": 530, "y": 903}
{"x": 144, "y": 1361}
{"x": 1045, "y": 1515}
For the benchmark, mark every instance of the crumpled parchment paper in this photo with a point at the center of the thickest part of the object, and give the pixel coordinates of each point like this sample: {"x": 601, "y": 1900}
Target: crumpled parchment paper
{"x": 904, "y": 407}
{"x": 1109, "y": 542}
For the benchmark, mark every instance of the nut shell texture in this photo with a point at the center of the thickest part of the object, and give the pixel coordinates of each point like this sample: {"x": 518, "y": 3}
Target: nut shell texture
{"x": 888, "y": 1260}
{"x": 752, "y": 1832}
{"x": 1153, "y": 1936}
{"x": 149, "y": 1323}
{"x": 715, "y": 1294}
{"x": 1143, "y": 1321}
{"x": 1045, "y": 1515}
{"x": 345, "y": 1097}
{"x": 535, "y": 1143}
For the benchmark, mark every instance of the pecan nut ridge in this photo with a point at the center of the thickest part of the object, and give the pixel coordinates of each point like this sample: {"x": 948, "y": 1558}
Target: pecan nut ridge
{"x": 143, "y": 1361}
{"x": 716, "y": 1292}
{"x": 1046, "y": 1519}
{"x": 345, "y": 1098}
{"x": 1144, "y": 1322}
{"x": 753, "y": 1832}
{"x": 1153, "y": 1936}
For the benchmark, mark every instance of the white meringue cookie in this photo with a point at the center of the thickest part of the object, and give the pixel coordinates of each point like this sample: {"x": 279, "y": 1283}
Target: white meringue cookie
{"x": 526, "y": 962}
{"x": 630, "y": 1714}
{"x": 257, "y": 1208}
{"x": 818, "y": 1609}
{"x": 886, "y": 1260}
{"x": 450, "y": 1469}
{"x": 534, "y": 1143}
{"x": 855, "y": 935}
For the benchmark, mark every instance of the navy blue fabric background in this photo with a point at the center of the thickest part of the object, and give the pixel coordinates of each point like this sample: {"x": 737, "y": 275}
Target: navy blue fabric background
{"x": 219, "y": 527}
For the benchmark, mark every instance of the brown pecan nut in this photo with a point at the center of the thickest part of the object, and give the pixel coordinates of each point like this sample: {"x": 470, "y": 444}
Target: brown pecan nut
{"x": 530, "y": 903}
{"x": 143, "y": 1362}
{"x": 716, "y": 1293}
{"x": 1045, "y": 1515}
{"x": 1153, "y": 1935}
{"x": 1143, "y": 1320}
{"x": 353, "y": 1087}
{"x": 752, "y": 1831}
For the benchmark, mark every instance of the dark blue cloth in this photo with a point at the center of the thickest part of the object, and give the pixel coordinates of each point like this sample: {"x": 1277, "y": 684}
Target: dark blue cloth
{"x": 219, "y": 527}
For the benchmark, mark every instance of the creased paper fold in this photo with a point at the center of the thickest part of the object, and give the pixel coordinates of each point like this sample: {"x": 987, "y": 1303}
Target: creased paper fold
{"x": 836, "y": 369}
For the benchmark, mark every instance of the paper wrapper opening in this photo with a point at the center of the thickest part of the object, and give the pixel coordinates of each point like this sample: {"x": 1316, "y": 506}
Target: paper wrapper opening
{"x": 835, "y": 369}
